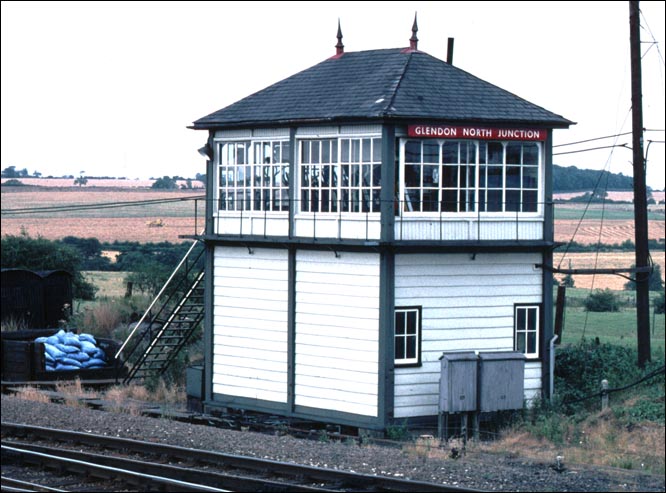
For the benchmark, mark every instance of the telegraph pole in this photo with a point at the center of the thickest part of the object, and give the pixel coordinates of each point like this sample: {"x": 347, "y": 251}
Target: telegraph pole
{"x": 640, "y": 192}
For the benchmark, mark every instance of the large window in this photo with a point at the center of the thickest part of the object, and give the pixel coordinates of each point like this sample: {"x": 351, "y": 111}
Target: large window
{"x": 407, "y": 339}
{"x": 254, "y": 176}
{"x": 470, "y": 176}
{"x": 526, "y": 320}
{"x": 340, "y": 175}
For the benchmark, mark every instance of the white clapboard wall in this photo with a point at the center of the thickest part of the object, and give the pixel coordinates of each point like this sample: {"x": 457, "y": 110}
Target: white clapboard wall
{"x": 337, "y": 331}
{"x": 250, "y": 298}
{"x": 467, "y": 305}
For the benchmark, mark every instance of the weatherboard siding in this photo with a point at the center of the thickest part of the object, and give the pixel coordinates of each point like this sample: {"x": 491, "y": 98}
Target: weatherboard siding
{"x": 250, "y": 336}
{"x": 467, "y": 305}
{"x": 446, "y": 227}
{"x": 337, "y": 331}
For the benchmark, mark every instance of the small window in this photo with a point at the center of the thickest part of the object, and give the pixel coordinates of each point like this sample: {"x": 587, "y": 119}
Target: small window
{"x": 526, "y": 323}
{"x": 408, "y": 336}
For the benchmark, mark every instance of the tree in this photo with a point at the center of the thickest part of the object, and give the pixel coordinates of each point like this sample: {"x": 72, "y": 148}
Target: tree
{"x": 10, "y": 172}
{"x": 654, "y": 284}
{"x": 165, "y": 183}
{"x": 81, "y": 180}
{"x": 23, "y": 252}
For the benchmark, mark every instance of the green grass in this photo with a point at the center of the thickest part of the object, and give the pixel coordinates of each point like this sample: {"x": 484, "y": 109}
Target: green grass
{"x": 623, "y": 212}
{"x": 618, "y": 328}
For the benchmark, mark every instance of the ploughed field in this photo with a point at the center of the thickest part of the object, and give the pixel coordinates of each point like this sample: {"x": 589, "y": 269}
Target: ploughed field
{"x": 92, "y": 212}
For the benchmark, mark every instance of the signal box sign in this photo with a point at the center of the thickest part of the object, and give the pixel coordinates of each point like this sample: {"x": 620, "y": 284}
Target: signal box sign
{"x": 480, "y": 133}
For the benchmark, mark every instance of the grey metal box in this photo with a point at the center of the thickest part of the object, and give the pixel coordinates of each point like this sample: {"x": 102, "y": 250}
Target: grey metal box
{"x": 501, "y": 381}
{"x": 457, "y": 384}
{"x": 194, "y": 381}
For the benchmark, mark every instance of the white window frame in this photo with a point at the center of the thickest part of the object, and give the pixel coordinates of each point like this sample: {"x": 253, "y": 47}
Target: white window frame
{"x": 473, "y": 188}
{"x": 265, "y": 179}
{"x": 339, "y": 174}
{"x": 526, "y": 326}
{"x": 408, "y": 337}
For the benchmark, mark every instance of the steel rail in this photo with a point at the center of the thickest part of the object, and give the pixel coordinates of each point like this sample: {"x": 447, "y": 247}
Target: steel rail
{"x": 340, "y": 480}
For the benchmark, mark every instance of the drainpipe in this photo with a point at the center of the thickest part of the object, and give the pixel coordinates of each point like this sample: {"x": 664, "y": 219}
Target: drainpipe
{"x": 552, "y": 366}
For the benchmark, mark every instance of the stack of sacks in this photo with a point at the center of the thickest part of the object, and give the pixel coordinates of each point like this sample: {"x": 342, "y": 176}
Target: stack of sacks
{"x": 69, "y": 351}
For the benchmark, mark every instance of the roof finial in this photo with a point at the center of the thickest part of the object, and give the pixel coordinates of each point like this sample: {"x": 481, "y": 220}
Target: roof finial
{"x": 339, "y": 48}
{"x": 414, "y": 41}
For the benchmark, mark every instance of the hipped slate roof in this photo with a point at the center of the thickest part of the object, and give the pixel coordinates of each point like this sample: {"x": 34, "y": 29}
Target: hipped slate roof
{"x": 389, "y": 84}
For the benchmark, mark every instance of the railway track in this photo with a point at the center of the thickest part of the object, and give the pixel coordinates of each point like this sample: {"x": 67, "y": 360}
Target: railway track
{"x": 159, "y": 467}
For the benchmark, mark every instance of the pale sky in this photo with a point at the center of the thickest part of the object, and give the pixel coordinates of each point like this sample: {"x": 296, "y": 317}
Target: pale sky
{"x": 108, "y": 88}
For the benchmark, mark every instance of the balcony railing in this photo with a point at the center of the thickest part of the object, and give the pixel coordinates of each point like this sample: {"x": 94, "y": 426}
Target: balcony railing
{"x": 339, "y": 224}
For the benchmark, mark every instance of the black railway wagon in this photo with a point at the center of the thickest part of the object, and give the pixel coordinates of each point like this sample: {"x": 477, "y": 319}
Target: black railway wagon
{"x": 36, "y": 299}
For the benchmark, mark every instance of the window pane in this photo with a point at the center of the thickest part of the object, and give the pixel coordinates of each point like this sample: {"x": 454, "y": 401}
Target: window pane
{"x": 399, "y": 348}
{"x": 494, "y": 176}
{"x": 513, "y": 153}
{"x": 344, "y": 151}
{"x": 450, "y": 152}
{"x": 530, "y": 202}
{"x": 334, "y": 151}
{"x": 356, "y": 151}
{"x": 520, "y": 342}
{"x": 326, "y": 152}
{"x": 377, "y": 175}
{"x": 411, "y": 347}
{"x": 314, "y": 151}
{"x": 430, "y": 175}
{"x": 376, "y": 150}
{"x": 411, "y": 322}
{"x": 366, "y": 151}
{"x": 530, "y": 154}
{"x": 430, "y": 152}
{"x": 430, "y": 200}
{"x": 450, "y": 176}
{"x": 412, "y": 152}
{"x": 513, "y": 200}
{"x": 531, "y": 319}
{"x": 449, "y": 200}
{"x": 520, "y": 318}
{"x": 413, "y": 175}
{"x": 305, "y": 152}
{"x": 530, "y": 176}
{"x": 531, "y": 342}
{"x": 494, "y": 201}
{"x": 513, "y": 177}
{"x": 495, "y": 153}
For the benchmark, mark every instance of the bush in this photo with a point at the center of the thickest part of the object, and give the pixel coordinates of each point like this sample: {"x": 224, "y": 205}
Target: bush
{"x": 659, "y": 303}
{"x": 580, "y": 368}
{"x": 602, "y": 301}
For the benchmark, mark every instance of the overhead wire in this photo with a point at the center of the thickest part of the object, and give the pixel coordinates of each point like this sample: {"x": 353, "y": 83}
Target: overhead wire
{"x": 95, "y": 206}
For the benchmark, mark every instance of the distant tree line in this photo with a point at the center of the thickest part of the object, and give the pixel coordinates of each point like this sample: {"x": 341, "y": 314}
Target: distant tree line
{"x": 572, "y": 179}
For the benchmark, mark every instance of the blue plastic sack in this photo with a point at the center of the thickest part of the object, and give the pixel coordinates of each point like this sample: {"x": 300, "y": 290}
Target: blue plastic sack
{"x": 80, "y": 356}
{"x": 67, "y": 349}
{"x": 72, "y": 340}
{"x": 41, "y": 339}
{"x": 99, "y": 354}
{"x": 87, "y": 338}
{"x": 53, "y": 340}
{"x": 93, "y": 362}
{"x": 69, "y": 361}
{"x": 88, "y": 347}
{"x": 54, "y": 351}
{"x": 48, "y": 358}
{"x": 64, "y": 367}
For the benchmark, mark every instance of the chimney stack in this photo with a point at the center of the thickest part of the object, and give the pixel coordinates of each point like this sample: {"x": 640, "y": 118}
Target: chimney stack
{"x": 449, "y": 52}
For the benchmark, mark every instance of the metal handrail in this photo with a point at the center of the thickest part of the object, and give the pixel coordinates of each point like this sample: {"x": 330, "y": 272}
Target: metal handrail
{"x": 173, "y": 274}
